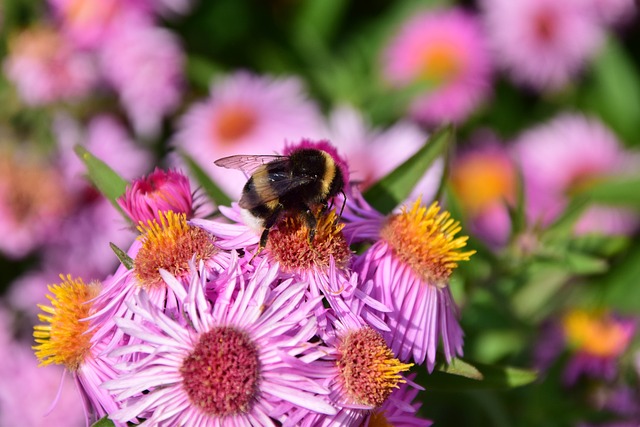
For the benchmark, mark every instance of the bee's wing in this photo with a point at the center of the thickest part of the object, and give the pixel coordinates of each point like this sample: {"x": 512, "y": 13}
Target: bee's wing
{"x": 278, "y": 184}
{"x": 248, "y": 163}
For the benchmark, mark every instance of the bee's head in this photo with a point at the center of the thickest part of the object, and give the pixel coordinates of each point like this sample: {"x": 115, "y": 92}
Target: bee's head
{"x": 307, "y": 145}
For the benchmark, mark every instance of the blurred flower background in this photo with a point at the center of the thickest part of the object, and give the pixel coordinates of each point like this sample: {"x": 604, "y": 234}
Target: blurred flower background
{"x": 544, "y": 173}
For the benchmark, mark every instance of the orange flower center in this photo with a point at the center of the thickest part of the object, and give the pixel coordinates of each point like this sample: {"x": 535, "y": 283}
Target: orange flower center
{"x": 234, "y": 122}
{"x": 596, "y": 334}
{"x": 441, "y": 62}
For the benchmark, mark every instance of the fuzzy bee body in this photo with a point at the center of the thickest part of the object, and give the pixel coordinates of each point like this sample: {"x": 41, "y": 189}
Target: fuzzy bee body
{"x": 295, "y": 184}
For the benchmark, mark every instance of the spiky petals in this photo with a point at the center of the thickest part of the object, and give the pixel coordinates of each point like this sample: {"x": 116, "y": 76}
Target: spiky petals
{"x": 398, "y": 410}
{"x": 170, "y": 245}
{"x": 160, "y": 191}
{"x": 250, "y": 321}
{"x": 424, "y": 239}
{"x": 63, "y": 339}
{"x": 368, "y": 369}
{"x": 289, "y": 244}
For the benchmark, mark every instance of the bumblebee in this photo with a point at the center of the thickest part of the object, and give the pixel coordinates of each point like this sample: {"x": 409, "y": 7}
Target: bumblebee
{"x": 296, "y": 184}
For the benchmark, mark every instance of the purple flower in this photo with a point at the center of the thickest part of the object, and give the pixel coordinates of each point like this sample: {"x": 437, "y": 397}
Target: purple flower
{"x": 160, "y": 191}
{"x": 542, "y": 43}
{"x": 246, "y": 114}
{"x": 410, "y": 264}
{"x": 446, "y": 50}
{"x": 233, "y": 361}
{"x": 564, "y": 157}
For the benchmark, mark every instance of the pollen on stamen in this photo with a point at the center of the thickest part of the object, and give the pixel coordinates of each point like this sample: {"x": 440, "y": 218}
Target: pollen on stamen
{"x": 368, "y": 369}
{"x": 169, "y": 245}
{"x": 62, "y": 339}
{"x": 221, "y": 375}
{"x": 290, "y": 246}
{"x": 424, "y": 238}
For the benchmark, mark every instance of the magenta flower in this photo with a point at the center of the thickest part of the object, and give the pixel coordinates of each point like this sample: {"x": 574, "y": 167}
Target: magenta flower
{"x": 233, "y": 362}
{"x": 484, "y": 178}
{"x": 542, "y": 43}
{"x": 245, "y": 114}
{"x": 445, "y": 50}
{"x": 45, "y": 68}
{"x": 160, "y": 191}
{"x": 144, "y": 65}
{"x": 410, "y": 263}
{"x": 565, "y": 156}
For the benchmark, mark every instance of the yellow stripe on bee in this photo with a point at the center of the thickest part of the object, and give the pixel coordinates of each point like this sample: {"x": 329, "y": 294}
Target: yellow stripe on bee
{"x": 329, "y": 173}
{"x": 262, "y": 185}
{"x": 272, "y": 205}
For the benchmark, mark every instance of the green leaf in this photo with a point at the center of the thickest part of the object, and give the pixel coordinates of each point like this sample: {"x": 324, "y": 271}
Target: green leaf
{"x": 106, "y": 180}
{"x": 616, "y": 192}
{"x": 563, "y": 225}
{"x": 620, "y": 285}
{"x": 213, "y": 191}
{"x": 200, "y": 71}
{"x": 103, "y": 422}
{"x": 125, "y": 259}
{"x": 391, "y": 190}
{"x": 465, "y": 376}
{"x": 615, "y": 91}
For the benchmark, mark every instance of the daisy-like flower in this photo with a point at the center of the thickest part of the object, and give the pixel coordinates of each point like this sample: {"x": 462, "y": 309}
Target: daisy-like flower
{"x": 33, "y": 202}
{"x": 484, "y": 179}
{"x": 542, "y": 43}
{"x": 45, "y": 68}
{"x": 64, "y": 339}
{"x": 246, "y": 114}
{"x": 560, "y": 158}
{"x": 445, "y": 50}
{"x": 596, "y": 340}
{"x": 414, "y": 254}
{"x": 160, "y": 191}
{"x": 227, "y": 364}
{"x": 168, "y": 244}
{"x": 144, "y": 64}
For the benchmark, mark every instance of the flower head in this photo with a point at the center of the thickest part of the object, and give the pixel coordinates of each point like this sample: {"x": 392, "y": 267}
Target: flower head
{"x": 565, "y": 156}
{"x": 446, "y": 50}
{"x": 65, "y": 339}
{"x": 45, "y": 68}
{"x": 410, "y": 266}
{"x": 160, "y": 191}
{"x": 542, "y": 43}
{"x": 246, "y": 114}
{"x": 242, "y": 341}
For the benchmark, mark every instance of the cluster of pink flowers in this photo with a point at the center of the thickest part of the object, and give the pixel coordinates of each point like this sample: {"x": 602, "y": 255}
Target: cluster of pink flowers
{"x": 199, "y": 327}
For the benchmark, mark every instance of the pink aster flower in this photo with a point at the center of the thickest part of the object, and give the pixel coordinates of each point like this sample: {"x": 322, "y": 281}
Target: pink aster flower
{"x": 64, "y": 338}
{"x": 180, "y": 377}
{"x": 33, "y": 202}
{"x": 542, "y": 43}
{"x": 446, "y": 50}
{"x": 595, "y": 339}
{"x": 563, "y": 157}
{"x": 45, "y": 68}
{"x": 613, "y": 12}
{"x": 399, "y": 410}
{"x": 144, "y": 65}
{"x": 373, "y": 153}
{"x": 160, "y": 191}
{"x": 484, "y": 178}
{"x": 410, "y": 263}
{"x": 89, "y": 23}
{"x": 246, "y": 114}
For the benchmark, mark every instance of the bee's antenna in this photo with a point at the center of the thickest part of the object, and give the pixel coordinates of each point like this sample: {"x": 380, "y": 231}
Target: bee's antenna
{"x": 344, "y": 202}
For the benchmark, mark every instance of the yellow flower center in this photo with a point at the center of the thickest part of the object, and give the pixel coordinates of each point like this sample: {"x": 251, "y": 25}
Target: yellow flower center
{"x": 482, "y": 180}
{"x": 368, "y": 368}
{"x": 62, "y": 339}
{"x": 234, "y": 122}
{"x": 441, "y": 62}
{"x": 423, "y": 238}
{"x": 169, "y": 245}
{"x": 289, "y": 243}
{"x": 597, "y": 334}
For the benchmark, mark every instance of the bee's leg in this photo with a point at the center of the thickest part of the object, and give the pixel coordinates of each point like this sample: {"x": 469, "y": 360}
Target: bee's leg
{"x": 268, "y": 223}
{"x": 311, "y": 223}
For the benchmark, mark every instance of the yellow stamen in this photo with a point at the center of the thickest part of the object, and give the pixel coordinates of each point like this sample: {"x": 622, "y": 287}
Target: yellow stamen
{"x": 62, "y": 339}
{"x": 424, "y": 239}
{"x": 169, "y": 245}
